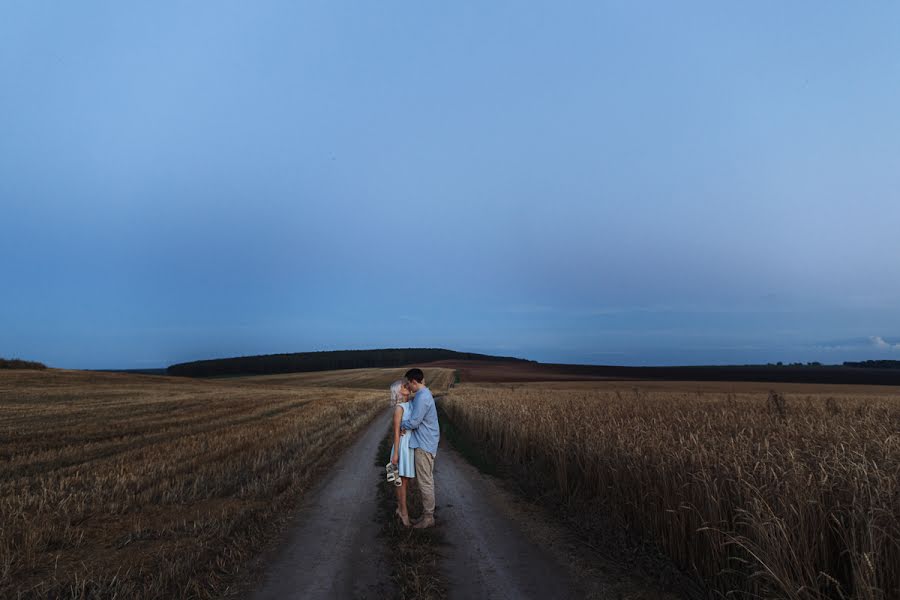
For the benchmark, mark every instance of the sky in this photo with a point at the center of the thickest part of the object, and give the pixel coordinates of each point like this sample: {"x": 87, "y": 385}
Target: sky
{"x": 632, "y": 183}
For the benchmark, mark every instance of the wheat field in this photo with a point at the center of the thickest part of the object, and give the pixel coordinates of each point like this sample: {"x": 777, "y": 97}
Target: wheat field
{"x": 756, "y": 494}
{"x": 130, "y": 486}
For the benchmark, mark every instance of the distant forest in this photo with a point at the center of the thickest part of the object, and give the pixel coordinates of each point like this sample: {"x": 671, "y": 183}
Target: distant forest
{"x": 302, "y": 362}
{"x": 875, "y": 364}
{"x": 16, "y": 363}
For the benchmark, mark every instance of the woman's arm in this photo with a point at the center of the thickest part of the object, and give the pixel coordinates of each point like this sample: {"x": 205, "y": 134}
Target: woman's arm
{"x": 398, "y": 414}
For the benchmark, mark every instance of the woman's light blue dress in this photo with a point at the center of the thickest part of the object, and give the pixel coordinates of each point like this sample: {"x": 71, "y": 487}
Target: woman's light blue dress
{"x": 406, "y": 465}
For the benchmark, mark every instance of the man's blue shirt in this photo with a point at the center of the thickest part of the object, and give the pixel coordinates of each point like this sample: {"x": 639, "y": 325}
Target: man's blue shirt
{"x": 423, "y": 422}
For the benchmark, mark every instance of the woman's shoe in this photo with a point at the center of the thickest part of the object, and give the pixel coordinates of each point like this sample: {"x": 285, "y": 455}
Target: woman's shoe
{"x": 391, "y": 474}
{"x": 403, "y": 518}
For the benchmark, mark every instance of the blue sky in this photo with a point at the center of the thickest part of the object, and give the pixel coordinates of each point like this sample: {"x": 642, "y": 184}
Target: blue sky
{"x": 594, "y": 182}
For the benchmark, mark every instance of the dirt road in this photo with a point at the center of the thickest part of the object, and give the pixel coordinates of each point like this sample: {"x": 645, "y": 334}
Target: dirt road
{"x": 334, "y": 550}
{"x": 488, "y": 555}
{"x": 496, "y": 545}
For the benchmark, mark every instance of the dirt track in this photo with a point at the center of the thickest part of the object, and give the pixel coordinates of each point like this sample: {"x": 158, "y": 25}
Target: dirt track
{"x": 488, "y": 555}
{"x": 334, "y": 550}
{"x": 495, "y": 547}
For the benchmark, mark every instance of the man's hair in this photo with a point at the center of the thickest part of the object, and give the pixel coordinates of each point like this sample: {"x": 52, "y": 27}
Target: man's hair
{"x": 415, "y": 375}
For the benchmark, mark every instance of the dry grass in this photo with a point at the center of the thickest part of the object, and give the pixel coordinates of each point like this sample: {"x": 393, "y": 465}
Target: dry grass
{"x": 784, "y": 496}
{"x": 438, "y": 379}
{"x": 129, "y": 486}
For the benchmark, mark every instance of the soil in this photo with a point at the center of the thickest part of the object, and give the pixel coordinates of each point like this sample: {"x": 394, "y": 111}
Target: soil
{"x": 333, "y": 550}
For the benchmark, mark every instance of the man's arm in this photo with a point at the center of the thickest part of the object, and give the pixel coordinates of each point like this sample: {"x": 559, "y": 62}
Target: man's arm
{"x": 420, "y": 407}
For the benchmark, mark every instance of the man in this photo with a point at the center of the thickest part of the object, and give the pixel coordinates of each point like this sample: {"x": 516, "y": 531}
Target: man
{"x": 423, "y": 423}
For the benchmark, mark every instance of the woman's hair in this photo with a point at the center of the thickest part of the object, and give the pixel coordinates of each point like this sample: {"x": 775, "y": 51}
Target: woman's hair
{"x": 396, "y": 396}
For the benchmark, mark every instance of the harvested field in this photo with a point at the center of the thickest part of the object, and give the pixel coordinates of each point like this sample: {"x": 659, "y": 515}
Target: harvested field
{"x": 480, "y": 371}
{"x": 476, "y": 371}
{"x": 720, "y": 388}
{"x": 131, "y": 486}
{"x": 793, "y": 495}
{"x": 438, "y": 379}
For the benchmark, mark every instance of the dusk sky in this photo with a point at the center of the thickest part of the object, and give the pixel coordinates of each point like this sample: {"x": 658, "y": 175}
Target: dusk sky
{"x": 593, "y": 182}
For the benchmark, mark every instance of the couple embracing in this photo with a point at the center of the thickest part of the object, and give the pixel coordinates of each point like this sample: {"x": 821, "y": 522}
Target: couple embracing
{"x": 416, "y": 435}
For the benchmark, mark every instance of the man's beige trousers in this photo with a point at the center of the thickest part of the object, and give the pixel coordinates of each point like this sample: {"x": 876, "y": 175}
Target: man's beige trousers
{"x": 425, "y": 478}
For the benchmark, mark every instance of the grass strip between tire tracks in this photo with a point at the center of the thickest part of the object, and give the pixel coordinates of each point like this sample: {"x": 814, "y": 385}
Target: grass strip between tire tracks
{"x": 413, "y": 554}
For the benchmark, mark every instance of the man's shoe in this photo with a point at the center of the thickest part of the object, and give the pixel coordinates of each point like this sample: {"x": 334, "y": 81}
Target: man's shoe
{"x": 424, "y": 523}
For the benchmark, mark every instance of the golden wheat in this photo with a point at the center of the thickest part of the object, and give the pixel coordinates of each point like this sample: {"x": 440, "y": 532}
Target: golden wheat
{"x": 760, "y": 495}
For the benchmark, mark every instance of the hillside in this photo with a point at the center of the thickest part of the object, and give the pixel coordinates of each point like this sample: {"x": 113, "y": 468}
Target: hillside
{"x": 303, "y": 362}
{"x": 17, "y": 363}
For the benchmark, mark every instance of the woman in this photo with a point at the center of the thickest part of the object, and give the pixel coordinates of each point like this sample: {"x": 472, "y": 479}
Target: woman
{"x": 401, "y": 454}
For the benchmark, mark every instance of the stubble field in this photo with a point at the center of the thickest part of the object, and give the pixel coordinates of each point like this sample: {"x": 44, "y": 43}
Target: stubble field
{"x": 784, "y": 495}
{"x": 130, "y": 486}
{"x": 438, "y": 379}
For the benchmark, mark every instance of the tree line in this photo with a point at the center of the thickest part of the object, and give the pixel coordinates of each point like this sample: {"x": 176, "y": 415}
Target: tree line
{"x": 17, "y": 363}
{"x": 874, "y": 364}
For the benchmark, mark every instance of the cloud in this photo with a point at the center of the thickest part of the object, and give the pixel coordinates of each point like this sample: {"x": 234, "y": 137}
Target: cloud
{"x": 880, "y": 343}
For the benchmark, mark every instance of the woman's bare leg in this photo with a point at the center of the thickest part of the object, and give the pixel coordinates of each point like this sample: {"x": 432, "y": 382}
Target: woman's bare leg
{"x": 401, "y": 495}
